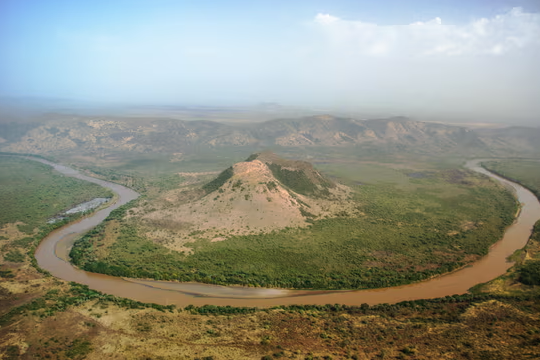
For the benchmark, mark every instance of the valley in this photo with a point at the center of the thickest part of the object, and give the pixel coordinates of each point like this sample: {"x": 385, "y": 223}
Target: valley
{"x": 71, "y": 321}
{"x": 261, "y": 180}
{"x": 489, "y": 267}
{"x": 372, "y": 242}
{"x": 378, "y": 196}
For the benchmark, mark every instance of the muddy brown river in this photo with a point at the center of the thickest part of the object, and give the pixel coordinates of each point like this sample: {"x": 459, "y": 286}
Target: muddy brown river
{"x": 52, "y": 256}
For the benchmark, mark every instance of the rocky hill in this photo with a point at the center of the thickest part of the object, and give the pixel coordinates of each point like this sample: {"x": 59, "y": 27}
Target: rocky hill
{"x": 94, "y": 134}
{"x": 261, "y": 194}
{"x": 514, "y": 139}
{"x": 334, "y": 131}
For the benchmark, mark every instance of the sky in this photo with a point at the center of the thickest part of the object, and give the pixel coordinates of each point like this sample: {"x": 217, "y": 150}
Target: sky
{"x": 476, "y": 58}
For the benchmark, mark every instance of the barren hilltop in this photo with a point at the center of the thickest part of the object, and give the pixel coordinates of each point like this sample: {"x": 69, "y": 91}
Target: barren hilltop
{"x": 261, "y": 194}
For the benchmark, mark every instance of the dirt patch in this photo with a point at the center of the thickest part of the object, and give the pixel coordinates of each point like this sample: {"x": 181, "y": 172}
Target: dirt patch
{"x": 108, "y": 239}
{"x": 469, "y": 225}
{"x": 191, "y": 178}
{"x": 465, "y": 226}
{"x": 426, "y": 267}
{"x": 381, "y": 254}
{"x": 250, "y": 202}
{"x": 11, "y": 231}
{"x": 457, "y": 176}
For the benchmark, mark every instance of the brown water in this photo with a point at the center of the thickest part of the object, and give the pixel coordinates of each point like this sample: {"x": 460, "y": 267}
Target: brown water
{"x": 52, "y": 254}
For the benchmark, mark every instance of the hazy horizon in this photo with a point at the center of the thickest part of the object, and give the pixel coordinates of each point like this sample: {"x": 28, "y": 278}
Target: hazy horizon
{"x": 460, "y": 59}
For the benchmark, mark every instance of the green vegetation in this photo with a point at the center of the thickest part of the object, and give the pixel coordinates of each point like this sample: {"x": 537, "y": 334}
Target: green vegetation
{"x": 462, "y": 326}
{"x": 252, "y": 157}
{"x": 23, "y": 243}
{"x": 529, "y": 273}
{"x": 271, "y": 185}
{"x": 413, "y": 227}
{"x": 78, "y": 349}
{"x": 152, "y": 172}
{"x": 57, "y": 301}
{"x": 8, "y": 274}
{"x": 49, "y": 158}
{"x": 366, "y": 174}
{"x": 14, "y": 256}
{"x": 526, "y": 172}
{"x": 219, "y": 181}
{"x": 298, "y": 181}
{"x": 56, "y": 348}
{"x": 32, "y": 192}
{"x": 529, "y": 270}
{"x": 470, "y": 326}
{"x": 441, "y": 223}
{"x": 142, "y": 183}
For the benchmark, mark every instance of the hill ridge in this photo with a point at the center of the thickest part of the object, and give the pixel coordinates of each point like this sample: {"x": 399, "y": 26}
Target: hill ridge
{"x": 248, "y": 198}
{"x": 91, "y": 134}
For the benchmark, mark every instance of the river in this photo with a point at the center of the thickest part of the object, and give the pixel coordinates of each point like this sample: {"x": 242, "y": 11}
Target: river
{"x": 52, "y": 255}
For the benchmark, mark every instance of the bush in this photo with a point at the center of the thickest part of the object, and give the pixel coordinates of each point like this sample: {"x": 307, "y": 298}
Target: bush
{"x": 78, "y": 349}
{"x": 219, "y": 181}
{"x": 14, "y": 256}
{"x": 529, "y": 273}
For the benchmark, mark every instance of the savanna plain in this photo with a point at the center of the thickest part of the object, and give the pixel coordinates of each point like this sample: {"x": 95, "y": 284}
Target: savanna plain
{"x": 313, "y": 203}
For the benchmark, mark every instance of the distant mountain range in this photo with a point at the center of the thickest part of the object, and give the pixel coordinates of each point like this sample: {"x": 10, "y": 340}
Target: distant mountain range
{"x": 60, "y": 132}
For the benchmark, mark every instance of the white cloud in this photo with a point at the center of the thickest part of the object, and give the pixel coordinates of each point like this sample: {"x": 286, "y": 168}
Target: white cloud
{"x": 326, "y": 18}
{"x": 502, "y": 34}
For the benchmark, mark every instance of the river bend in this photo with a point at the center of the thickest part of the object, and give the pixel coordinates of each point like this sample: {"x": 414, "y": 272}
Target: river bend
{"x": 52, "y": 256}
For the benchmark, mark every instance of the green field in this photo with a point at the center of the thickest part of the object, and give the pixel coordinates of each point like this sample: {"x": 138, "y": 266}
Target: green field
{"x": 413, "y": 228}
{"x": 31, "y": 192}
{"x": 151, "y": 173}
{"x": 526, "y": 172}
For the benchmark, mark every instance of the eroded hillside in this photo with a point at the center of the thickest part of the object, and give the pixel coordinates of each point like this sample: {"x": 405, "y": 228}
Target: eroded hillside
{"x": 262, "y": 194}
{"x": 99, "y": 135}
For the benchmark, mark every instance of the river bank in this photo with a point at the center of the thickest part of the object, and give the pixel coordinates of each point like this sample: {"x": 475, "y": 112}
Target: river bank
{"x": 51, "y": 256}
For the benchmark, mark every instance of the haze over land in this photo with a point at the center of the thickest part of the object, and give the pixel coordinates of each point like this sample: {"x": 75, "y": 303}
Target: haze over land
{"x": 261, "y": 159}
{"x": 473, "y": 60}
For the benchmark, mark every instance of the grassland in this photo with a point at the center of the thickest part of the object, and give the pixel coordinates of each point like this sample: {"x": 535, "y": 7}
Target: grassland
{"x": 526, "y": 172}
{"x": 525, "y": 275}
{"x": 46, "y": 318}
{"x": 150, "y": 173}
{"x": 42, "y": 317}
{"x": 69, "y": 321}
{"x": 31, "y": 192}
{"x": 420, "y": 227}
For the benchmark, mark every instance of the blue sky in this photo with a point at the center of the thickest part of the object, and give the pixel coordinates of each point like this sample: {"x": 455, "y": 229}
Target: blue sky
{"x": 464, "y": 57}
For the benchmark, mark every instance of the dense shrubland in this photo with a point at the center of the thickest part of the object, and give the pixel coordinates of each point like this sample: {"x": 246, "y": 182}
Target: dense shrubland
{"x": 218, "y": 181}
{"x": 471, "y": 326}
{"x": 528, "y": 271}
{"x": 298, "y": 181}
{"x": 405, "y": 236}
{"x": 32, "y": 192}
{"x": 55, "y": 301}
{"x": 463, "y": 327}
{"x": 527, "y": 173}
